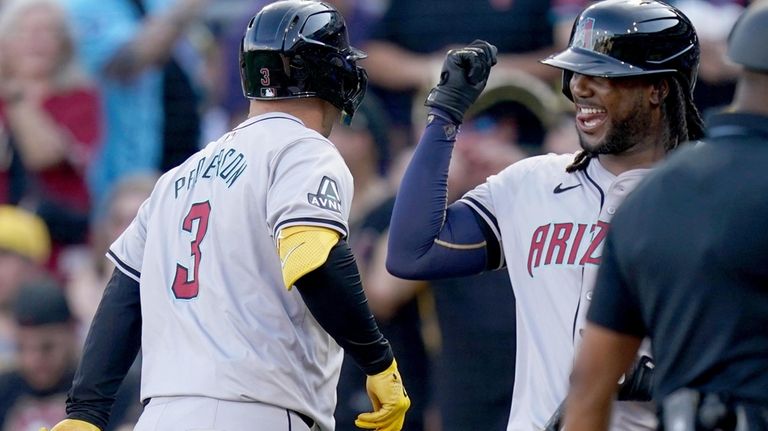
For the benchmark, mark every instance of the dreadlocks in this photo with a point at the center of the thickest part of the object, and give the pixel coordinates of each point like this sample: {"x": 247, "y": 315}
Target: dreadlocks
{"x": 684, "y": 123}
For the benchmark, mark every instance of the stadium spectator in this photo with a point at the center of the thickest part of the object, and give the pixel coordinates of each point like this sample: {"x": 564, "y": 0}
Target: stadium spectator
{"x": 127, "y": 46}
{"x": 33, "y": 394}
{"x": 25, "y": 247}
{"x": 50, "y": 116}
{"x": 407, "y": 45}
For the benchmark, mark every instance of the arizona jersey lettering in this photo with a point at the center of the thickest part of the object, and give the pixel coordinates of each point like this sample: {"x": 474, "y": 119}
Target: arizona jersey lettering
{"x": 551, "y": 226}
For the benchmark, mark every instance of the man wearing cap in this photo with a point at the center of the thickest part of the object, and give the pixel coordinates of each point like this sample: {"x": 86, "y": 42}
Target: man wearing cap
{"x": 33, "y": 394}
{"x": 25, "y": 246}
{"x": 46, "y": 340}
{"x": 696, "y": 280}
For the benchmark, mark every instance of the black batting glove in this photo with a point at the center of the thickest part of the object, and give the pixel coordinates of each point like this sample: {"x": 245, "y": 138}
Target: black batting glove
{"x": 464, "y": 75}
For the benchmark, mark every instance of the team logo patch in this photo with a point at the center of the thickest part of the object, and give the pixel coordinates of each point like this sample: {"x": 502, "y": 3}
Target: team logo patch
{"x": 583, "y": 36}
{"x": 327, "y": 196}
{"x": 450, "y": 131}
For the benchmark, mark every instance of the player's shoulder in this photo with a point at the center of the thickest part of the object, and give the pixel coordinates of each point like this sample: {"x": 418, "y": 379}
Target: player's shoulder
{"x": 544, "y": 165}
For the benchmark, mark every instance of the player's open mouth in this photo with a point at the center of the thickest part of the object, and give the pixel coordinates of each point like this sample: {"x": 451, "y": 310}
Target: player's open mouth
{"x": 589, "y": 118}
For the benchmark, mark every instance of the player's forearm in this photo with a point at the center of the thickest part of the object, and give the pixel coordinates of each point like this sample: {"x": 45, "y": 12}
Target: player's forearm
{"x": 335, "y": 297}
{"x": 582, "y": 415}
{"x": 422, "y": 231}
{"x": 588, "y": 407}
{"x": 604, "y": 355}
{"x": 110, "y": 348}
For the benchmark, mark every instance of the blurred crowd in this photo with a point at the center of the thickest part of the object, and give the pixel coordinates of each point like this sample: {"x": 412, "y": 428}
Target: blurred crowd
{"x": 97, "y": 99}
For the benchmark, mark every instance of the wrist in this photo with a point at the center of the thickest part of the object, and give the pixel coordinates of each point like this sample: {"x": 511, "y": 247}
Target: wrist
{"x": 443, "y": 114}
{"x": 392, "y": 367}
{"x": 381, "y": 366}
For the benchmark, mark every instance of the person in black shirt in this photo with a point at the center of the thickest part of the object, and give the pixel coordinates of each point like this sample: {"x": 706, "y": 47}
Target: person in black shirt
{"x": 685, "y": 264}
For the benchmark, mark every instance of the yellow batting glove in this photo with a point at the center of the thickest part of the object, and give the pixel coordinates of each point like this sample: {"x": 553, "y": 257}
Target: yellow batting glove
{"x": 73, "y": 425}
{"x": 389, "y": 399}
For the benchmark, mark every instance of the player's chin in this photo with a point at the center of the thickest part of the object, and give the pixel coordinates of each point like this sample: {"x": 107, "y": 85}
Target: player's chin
{"x": 591, "y": 142}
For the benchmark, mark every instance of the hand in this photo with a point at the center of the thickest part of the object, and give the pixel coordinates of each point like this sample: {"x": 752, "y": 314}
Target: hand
{"x": 464, "y": 75}
{"x": 389, "y": 399}
{"x": 124, "y": 64}
{"x": 73, "y": 425}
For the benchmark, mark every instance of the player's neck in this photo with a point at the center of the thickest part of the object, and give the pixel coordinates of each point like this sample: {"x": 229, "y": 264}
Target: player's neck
{"x": 311, "y": 111}
{"x": 751, "y": 94}
{"x": 642, "y": 156}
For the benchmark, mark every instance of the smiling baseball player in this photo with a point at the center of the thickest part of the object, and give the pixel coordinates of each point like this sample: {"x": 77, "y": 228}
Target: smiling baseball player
{"x": 629, "y": 69}
{"x": 205, "y": 273}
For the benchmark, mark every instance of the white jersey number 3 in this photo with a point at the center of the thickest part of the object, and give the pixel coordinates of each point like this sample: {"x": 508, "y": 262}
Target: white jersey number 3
{"x": 184, "y": 287}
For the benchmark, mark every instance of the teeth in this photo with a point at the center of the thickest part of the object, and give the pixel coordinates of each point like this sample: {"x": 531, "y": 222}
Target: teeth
{"x": 591, "y": 123}
{"x": 592, "y": 111}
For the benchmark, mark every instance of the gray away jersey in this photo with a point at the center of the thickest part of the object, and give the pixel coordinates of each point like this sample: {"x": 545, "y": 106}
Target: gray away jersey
{"x": 551, "y": 226}
{"x": 217, "y": 321}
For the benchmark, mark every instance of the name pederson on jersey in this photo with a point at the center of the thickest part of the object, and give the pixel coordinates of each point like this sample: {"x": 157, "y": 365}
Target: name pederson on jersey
{"x": 551, "y": 226}
{"x": 217, "y": 321}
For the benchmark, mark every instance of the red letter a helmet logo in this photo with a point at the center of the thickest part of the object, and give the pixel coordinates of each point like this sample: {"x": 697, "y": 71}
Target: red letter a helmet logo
{"x": 583, "y": 36}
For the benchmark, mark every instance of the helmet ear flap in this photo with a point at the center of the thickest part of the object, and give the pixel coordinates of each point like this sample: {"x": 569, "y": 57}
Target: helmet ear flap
{"x": 298, "y": 68}
{"x": 567, "y": 75}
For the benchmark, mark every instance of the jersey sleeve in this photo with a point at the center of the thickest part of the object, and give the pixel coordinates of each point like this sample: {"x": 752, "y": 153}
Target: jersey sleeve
{"x": 127, "y": 252}
{"x": 310, "y": 185}
{"x": 479, "y": 200}
{"x": 614, "y": 303}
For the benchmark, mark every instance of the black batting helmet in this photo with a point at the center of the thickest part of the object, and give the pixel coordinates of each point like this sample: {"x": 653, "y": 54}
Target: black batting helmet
{"x": 614, "y": 38}
{"x": 300, "y": 48}
{"x": 749, "y": 37}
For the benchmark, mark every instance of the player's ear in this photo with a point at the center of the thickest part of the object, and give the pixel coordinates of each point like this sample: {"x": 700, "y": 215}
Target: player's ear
{"x": 659, "y": 91}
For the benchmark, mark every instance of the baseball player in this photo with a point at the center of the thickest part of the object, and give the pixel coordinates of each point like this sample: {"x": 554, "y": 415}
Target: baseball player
{"x": 696, "y": 282}
{"x": 629, "y": 69}
{"x": 235, "y": 278}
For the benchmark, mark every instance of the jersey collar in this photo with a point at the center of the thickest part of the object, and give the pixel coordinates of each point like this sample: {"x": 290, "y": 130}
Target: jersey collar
{"x": 268, "y": 116}
{"x": 597, "y": 172}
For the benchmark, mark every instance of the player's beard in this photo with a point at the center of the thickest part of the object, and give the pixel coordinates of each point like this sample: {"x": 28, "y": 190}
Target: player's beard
{"x": 624, "y": 133}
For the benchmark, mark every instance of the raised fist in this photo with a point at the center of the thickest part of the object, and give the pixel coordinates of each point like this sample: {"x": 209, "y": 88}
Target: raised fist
{"x": 464, "y": 75}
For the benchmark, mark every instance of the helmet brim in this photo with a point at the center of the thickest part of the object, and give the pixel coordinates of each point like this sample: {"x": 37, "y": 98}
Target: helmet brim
{"x": 356, "y": 54}
{"x": 586, "y": 62}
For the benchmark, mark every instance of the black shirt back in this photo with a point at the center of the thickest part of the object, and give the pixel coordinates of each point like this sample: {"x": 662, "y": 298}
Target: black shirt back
{"x": 686, "y": 263}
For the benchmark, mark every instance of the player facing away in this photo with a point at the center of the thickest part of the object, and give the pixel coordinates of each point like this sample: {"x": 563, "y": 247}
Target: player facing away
{"x": 205, "y": 271}
{"x": 629, "y": 69}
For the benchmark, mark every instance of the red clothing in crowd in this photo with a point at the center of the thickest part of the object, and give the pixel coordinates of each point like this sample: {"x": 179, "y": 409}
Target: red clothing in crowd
{"x": 79, "y": 112}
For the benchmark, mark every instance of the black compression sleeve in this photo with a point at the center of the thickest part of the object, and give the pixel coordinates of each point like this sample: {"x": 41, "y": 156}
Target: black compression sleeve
{"x": 111, "y": 347}
{"x": 334, "y": 294}
{"x": 420, "y": 216}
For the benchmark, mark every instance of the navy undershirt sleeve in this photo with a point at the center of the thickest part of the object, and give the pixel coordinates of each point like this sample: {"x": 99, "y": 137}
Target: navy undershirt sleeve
{"x": 420, "y": 216}
{"x": 111, "y": 347}
{"x": 614, "y": 306}
{"x": 334, "y": 295}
